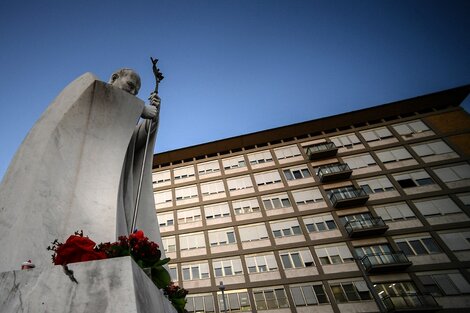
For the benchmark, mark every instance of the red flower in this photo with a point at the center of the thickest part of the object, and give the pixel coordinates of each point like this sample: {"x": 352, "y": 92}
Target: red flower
{"x": 77, "y": 249}
{"x": 139, "y": 235}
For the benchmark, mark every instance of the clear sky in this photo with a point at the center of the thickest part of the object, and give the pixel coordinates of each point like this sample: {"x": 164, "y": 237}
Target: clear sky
{"x": 231, "y": 67}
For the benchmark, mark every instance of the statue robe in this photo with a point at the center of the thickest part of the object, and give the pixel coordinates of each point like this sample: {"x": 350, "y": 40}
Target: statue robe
{"x": 77, "y": 169}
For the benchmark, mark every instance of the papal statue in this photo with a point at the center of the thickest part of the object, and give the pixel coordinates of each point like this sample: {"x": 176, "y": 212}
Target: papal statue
{"x": 78, "y": 169}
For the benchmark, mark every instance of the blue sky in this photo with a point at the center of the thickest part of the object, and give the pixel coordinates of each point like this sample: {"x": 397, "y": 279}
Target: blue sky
{"x": 231, "y": 67}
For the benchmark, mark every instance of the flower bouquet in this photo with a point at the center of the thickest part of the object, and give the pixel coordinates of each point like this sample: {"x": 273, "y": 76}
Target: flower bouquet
{"x": 80, "y": 248}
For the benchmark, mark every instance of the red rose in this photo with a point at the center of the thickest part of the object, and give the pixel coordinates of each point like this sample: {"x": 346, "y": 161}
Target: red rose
{"x": 77, "y": 249}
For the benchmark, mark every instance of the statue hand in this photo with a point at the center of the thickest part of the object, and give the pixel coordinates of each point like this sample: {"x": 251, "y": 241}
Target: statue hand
{"x": 149, "y": 112}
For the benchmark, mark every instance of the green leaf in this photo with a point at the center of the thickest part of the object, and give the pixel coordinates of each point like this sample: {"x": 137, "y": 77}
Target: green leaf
{"x": 160, "y": 276}
{"x": 162, "y": 262}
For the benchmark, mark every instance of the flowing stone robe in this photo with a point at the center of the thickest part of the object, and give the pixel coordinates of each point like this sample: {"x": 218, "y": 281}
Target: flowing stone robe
{"x": 77, "y": 169}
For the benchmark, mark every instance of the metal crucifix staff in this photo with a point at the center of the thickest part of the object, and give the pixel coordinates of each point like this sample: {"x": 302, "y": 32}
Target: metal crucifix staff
{"x": 158, "y": 78}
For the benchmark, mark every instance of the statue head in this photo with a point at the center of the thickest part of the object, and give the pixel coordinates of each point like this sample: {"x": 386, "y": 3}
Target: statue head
{"x": 127, "y": 80}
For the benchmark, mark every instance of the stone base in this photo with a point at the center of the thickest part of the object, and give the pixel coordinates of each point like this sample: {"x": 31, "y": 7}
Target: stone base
{"x": 113, "y": 285}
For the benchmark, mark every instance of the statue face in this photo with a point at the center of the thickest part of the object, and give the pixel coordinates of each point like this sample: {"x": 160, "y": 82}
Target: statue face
{"x": 128, "y": 81}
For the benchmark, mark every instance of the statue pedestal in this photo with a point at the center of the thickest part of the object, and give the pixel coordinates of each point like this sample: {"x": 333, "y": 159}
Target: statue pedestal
{"x": 112, "y": 285}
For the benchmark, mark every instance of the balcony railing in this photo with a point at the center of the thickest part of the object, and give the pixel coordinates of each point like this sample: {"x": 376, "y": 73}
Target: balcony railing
{"x": 411, "y": 302}
{"x": 384, "y": 262}
{"x": 351, "y": 197}
{"x": 366, "y": 227}
{"x": 332, "y": 172}
{"x": 322, "y": 150}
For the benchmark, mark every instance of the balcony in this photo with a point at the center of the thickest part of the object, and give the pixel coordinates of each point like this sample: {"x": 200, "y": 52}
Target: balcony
{"x": 333, "y": 172}
{"x": 351, "y": 197}
{"x": 322, "y": 150}
{"x": 411, "y": 302}
{"x": 385, "y": 262}
{"x": 366, "y": 227}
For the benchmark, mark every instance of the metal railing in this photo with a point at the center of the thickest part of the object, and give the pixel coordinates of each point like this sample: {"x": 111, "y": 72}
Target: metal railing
{"x": 350, "y": 194}
{"x": 383, "y": 259}
{"x": 333, "y": 169}
{"x": 364, "y": 224}
{"x": 410, "y": 301}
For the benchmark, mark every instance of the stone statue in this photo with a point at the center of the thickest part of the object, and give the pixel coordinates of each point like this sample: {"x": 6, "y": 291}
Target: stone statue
{"x": 77, "y": 169}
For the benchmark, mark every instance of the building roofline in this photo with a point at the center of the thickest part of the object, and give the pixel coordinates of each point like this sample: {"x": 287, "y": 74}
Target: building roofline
{"x": 436, "y": 100}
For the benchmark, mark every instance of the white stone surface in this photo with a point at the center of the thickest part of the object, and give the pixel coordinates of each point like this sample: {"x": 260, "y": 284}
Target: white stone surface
{"x": 114, "y": 285}
{"x": 66, "y": 174}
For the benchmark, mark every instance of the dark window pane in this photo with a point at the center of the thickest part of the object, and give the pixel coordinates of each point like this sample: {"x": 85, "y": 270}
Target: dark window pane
{"x": 285, "y": 203}
{"x": 431, "y": 245}
{"x": 277, "y": 203}
{"x": 267, "y": 204}
{"x": 331, "y": 224}
{"x": 231, "y": 237}
{"x": 288, "y": 175}
{"x": 424, "y": 181}
{"x": 338, "y": 293}
{"x": 320, "y": 292}
{"x": 305, "y": 173}
{"x": 418, "y": 247}
{"x": 218, "y": 272}
{"x": 405, "y": 248}
{"x": 277, "y": 233}
{"x": 310, "y": 228}
{"x": 296, "y": 259}
{"x": 296, "y": 230}
{"x": 350, "y": 291}
{"x": 286, "y": 261}
{"x": 407, "y": 183}
{"x": 321, "y": 226}
{"x": 297, "y": 174}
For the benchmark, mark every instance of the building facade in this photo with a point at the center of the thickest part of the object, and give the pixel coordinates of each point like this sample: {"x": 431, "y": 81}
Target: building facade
{"x": 366, "y": 211}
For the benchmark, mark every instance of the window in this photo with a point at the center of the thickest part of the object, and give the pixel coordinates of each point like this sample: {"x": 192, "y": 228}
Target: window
{"x": 169, "y": 244}
{"x": 161, "y": 177}
{"x": 376, "y": 185}
{"x": 393, "y": 155}
{"x": 376, "y": 251}
{"x": 200, "y": 303}
{"x": 346, "y": 141}
{"x": 350, "y": 291}
{"x": 192, "y": 241}
{"x": 276, "y": 201}
{"x": 409, "y": 128}
{"x": 188, "y": 215}
{"x": 444, "y": 284}
{"x": 465, "y": 198}
{"x": 246, "y": 206}
{"x": 173, "y": 270}
{"x": 376, "y": 134}
{"x": 285, "y": 228}
{"x": 239, "y": 183}
{"x": 458, "y": 241}
{"x": 305, "y": 196}
{"x": 267, "y": 178}
{"x": 260, "y": 157}
{"x": 212, "y": 188}
{"x": 334, "y": 254}
{"x": 296, "y": 258}
{"x": 236, "y": 162}
{"x": 437, "y": 206}
{"x": 287, "y": 152}
{"x": 270, "y": 298}
{"x": 394, "y": 211}
{"x": 193, "y": 271}
{"x": 183, "y": 172}
{"x": 413, "y": 179}
{"x": 418, "y": 245}
{"x": 222, "y": 237}
{"x": 162, "y": 196}
{"x": 208, "y": 167}
{"x": 308, "y": 294}
{"x": 165, "y": 219}
{"x": 217, "y": 210}
{"x": 359, "y": 161}
{"x": 227, "y": 267}
{"x": 425, "y": 149}
{"x": 259, "y": 263}
{"x": 236, "y": 301}
{"x": 453, "y": 173}
{"x": 298, "y": 172}
{"x": 184, "y": 193}
{"x": 253, "y": 232}
{"x": 318, "y": 223}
